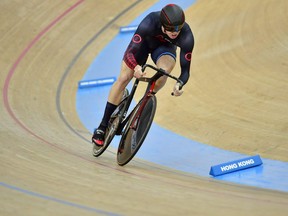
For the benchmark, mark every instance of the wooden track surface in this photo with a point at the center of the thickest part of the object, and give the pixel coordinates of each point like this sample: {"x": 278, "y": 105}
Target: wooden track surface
{"x": 236, "y": 100}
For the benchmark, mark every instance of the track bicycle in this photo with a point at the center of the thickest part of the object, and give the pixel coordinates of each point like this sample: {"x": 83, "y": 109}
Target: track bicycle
{"x": 133, "y": 127}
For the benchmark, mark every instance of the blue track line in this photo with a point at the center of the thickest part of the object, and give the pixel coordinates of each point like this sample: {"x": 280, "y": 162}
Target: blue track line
{"x": 38, "y": 195}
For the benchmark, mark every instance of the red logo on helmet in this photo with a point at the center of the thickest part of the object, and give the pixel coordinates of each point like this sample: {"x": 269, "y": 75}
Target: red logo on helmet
{"x": 137, "y": 38}
{"x": 188, "y": 56}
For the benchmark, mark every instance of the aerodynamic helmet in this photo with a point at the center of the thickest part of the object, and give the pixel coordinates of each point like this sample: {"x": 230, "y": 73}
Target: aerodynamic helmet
{"x": 172, "y": 17}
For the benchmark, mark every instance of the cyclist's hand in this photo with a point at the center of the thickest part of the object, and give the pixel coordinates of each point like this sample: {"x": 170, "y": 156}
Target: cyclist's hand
{"x": 138, "y": 73}
{"x": 177, "y": 90}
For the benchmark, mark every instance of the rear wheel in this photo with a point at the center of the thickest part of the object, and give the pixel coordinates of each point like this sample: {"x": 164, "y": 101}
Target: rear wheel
{"x": 136, "y": 130}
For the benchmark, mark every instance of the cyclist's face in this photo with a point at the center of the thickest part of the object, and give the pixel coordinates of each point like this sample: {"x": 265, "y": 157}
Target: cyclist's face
{"x": 171, "y": 34}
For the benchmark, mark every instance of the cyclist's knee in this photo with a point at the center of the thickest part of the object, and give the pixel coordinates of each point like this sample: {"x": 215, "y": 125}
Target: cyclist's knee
{"x": 166, "y": 62}
{"x": 126, "y": 74}
{"x": 122, "y": 80}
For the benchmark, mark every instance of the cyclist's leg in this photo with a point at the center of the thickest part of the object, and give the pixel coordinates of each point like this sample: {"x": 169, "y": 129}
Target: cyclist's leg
{"x": 116, "y": 94}
{"x": 126, "y": 74}
{"x": 164, "y": 57}
{"x": 114, "y": 98}
{"x": 167, "y": 63}
{"x": 118, "y": 87}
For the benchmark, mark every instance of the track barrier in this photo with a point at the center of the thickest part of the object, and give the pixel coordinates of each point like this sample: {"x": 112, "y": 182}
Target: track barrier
{"x": 96, "y": 82}
{"x": 127, "y": 29}
{"x": 236, "y": 165}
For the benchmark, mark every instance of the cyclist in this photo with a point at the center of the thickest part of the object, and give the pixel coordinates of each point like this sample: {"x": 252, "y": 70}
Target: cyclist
{"x": 158, "y": 34}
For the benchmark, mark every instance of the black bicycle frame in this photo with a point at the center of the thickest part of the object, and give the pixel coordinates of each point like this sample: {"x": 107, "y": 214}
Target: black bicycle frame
{"x": 149, "y": 90}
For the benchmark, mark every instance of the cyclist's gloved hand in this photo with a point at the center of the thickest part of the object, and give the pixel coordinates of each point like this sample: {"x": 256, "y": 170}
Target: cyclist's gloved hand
{"x": 138, "y": 73}
{"x": 177, "y": 90}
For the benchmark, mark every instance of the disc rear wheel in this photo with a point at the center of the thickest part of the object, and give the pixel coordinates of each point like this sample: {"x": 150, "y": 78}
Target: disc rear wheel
{"x": 136, "y": 130}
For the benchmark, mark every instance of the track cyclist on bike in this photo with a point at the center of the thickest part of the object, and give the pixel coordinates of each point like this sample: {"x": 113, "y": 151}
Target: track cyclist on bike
{"x": 159, "y": 34}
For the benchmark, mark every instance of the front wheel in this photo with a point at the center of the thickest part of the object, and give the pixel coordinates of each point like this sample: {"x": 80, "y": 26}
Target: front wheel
{"x": 109, "y": 135}
{"x": 113, "y": 128}
{"x": 136, "y": 130}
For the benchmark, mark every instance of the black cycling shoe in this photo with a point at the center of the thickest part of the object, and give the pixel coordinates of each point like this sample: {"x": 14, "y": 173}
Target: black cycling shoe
{"x": 98, "y": 137}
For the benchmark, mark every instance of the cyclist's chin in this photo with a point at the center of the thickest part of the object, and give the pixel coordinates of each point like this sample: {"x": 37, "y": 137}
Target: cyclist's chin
{"x": 173, "y": 36}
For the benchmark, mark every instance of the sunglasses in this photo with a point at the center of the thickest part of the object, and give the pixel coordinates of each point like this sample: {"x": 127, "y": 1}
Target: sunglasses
{"x": 173, "y": 28}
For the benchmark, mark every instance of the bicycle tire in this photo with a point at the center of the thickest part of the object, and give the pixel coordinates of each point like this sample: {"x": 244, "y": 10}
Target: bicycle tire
{"x": 132, "y": 140}
{"x": 113, "y": 125}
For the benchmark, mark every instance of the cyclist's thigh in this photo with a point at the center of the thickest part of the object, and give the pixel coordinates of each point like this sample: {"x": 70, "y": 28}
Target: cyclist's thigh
{"x": 140, "y": 56}
{"x": 117, "y": 89}
{"x": 165, "y": 57}
{"x": 126, "y": 73}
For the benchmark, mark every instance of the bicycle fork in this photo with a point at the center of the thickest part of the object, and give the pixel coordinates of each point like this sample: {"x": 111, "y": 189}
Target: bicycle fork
{"x": 143, "y": 103}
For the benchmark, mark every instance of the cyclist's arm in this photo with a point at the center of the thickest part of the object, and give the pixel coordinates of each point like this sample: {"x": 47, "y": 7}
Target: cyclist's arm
{"x": 186, "y": 57}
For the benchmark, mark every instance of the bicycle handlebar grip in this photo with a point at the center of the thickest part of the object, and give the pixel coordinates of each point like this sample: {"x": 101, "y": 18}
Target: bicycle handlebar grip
{"x": 144, "y": 67}
{"x": 180, "y": 87}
